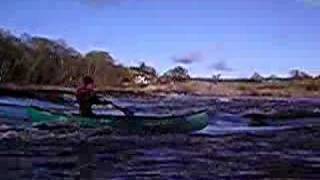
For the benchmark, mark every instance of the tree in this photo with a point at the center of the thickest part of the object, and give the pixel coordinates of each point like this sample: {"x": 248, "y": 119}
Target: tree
{"x": 297, "y": 74}
{"x": 178, "y": 73}
{"x": 147, "y": 69}
{"x": 13, "y": 56}
{"x": 257, "y": 77}
{"x": 216, "y": 78}
{"x": 99, "y": 56}
{"x": 38, "y": 60}
{"x": 100, "y": 65}
{"x": 273, "y": 77}
{"x": 96, "y": 62}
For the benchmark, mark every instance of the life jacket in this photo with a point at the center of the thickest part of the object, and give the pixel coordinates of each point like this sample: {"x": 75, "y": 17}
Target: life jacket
{"x": 85, "y": 91}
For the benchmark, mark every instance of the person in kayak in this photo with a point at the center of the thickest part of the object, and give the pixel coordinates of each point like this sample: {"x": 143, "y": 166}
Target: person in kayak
{"x": 86, "y": 97}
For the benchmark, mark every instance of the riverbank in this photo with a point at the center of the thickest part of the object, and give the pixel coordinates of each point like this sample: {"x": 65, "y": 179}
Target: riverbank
{"x": 254, "y": 107}
{"x": 309, "y": 88}
{"x": 222, "y": 99}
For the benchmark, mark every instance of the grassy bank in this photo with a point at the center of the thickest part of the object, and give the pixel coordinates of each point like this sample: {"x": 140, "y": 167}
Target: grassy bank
{"x": 294, "y": 88}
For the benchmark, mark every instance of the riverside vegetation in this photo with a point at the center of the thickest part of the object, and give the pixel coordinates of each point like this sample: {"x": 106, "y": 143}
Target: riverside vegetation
{"x": 29, "y": 60}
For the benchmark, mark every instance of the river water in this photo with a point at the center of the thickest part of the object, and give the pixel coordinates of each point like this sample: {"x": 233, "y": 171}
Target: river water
{"x": 230, "y": 147}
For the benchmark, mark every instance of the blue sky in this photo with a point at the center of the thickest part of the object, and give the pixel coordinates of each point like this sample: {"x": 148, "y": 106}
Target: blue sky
{"x": 232, "y": 37}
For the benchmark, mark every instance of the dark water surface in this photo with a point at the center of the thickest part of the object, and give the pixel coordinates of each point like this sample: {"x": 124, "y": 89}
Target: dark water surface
{"x": 229, "y": 148}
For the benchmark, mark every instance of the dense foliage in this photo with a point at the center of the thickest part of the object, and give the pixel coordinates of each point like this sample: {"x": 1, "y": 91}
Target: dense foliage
{"x": 41, "y": 61}
{"x": 36, "y": 60}
{"x": 178, "y": 73}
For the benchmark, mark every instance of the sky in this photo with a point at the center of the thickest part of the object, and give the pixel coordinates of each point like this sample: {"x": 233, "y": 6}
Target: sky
{"x": 233, "y": 37}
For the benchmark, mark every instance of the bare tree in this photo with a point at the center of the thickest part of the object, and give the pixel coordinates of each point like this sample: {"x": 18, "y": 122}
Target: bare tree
{"x": 216, "y": 78}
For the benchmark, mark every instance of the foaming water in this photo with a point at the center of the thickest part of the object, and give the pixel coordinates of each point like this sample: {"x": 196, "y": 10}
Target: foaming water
{"x": 232, "y": 124}
{"x": 14, "y": 109}
{"x": 27, "y": 102}
{"x": 230, "y": 147}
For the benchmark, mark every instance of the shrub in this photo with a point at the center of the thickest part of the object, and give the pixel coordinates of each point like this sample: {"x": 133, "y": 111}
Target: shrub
{"x": 243, "y": 88}
{"x": 312, "y": 86}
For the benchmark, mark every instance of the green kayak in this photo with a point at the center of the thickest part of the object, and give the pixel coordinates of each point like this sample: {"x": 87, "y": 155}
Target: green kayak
{"x": 188, "y": 122}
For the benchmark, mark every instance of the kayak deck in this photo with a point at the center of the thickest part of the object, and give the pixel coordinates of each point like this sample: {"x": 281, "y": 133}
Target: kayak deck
{"x": 187, "y": 122}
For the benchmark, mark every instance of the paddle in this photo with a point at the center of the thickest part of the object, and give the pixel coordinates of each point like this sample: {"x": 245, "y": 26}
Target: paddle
{"x": 99, "y": 99}
{"x": 125, "y": 110}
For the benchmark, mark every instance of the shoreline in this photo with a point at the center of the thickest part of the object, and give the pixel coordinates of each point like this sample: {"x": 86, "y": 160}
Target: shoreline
{"x": 252, "y": 107}
{"x": 149, "y": 91}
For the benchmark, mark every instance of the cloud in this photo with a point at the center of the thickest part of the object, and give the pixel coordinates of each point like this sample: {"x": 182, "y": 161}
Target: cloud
{"x": 221, "y": 66}
{"x": 189, "y": 58}
{"x": 311, "y": 2}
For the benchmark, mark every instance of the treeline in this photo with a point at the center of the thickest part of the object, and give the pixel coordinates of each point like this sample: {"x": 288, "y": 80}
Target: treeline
{"x": 27, "y": 59}
{"x": 37, "y": 60}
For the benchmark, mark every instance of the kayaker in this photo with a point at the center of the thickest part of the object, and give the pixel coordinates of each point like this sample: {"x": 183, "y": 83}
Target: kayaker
{"x": 86, "y": 96}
